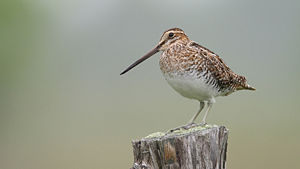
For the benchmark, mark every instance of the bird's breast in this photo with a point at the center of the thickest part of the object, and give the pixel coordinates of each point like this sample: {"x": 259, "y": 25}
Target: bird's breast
{"x": 186, "y": 77}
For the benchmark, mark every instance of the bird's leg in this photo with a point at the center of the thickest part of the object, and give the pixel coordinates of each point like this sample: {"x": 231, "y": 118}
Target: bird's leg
{"x": 191, "y": 123}
{"x": 209, "y": 105}
{"x": 196, "y": 115}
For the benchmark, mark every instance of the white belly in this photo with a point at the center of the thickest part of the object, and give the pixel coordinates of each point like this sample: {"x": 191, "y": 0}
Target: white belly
{"x": 192, "y": 87}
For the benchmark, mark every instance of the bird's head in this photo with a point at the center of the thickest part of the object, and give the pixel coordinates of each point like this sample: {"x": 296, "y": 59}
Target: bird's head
{"x": 168, "y": 38}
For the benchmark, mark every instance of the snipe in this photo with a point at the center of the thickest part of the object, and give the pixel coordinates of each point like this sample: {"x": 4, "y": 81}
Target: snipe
{"x": 193, "y": 70}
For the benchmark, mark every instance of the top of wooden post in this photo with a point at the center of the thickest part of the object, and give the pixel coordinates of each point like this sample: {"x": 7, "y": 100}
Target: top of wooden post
{"x": 181, "y": 132}
{"x": 195, "y": 148}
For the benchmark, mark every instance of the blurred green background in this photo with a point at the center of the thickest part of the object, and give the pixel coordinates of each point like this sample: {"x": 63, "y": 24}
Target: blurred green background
{"x": 63, "y": 104}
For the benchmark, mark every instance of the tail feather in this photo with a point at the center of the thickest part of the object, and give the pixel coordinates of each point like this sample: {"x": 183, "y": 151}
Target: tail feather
{"x": 242, "y": 84}
{"x": 248, "y": 87}
{"x": 245, "y": 87}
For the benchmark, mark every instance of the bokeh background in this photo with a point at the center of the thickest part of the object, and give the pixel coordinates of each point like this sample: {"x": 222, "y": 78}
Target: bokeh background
{"x": 63, "y": 104}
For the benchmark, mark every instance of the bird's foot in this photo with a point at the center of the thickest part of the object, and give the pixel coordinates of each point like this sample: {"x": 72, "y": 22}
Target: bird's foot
{"x": 185, "y": 127}
{"x": 203, "y": 124}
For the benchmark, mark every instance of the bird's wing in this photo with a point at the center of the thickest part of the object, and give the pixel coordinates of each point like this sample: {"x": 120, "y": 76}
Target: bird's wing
{"x": 225, "y": 78}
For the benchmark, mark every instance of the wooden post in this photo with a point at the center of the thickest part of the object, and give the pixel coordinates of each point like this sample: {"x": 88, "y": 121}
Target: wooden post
{"x": 195, "y": 148}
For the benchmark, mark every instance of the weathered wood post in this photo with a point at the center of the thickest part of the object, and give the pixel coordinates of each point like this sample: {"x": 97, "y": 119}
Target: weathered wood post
{"x": 195, "y": 148}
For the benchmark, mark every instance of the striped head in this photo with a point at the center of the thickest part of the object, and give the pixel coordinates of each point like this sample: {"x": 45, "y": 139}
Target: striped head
{"x": 168, "y": 38}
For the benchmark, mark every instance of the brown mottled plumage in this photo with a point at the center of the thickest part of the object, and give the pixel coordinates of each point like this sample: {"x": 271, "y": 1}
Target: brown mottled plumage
{"x": 193, "y": 70}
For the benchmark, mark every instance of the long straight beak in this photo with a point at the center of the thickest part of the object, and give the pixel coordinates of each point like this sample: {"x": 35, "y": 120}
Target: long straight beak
{"x": 148, "y": 55}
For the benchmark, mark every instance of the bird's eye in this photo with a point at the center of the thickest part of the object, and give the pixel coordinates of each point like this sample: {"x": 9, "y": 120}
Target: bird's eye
{"x": 171, "y": 34}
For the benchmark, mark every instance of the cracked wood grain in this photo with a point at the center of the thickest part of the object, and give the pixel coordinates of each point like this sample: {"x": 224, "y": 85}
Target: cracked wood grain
{"x": 196, "y": 148}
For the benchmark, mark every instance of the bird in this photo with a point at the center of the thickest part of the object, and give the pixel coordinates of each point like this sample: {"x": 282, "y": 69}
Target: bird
{"x": 194, "y": 71}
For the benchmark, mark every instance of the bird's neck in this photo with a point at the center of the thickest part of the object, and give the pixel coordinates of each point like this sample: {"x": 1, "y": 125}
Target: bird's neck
{"x": 183, "y": 40}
